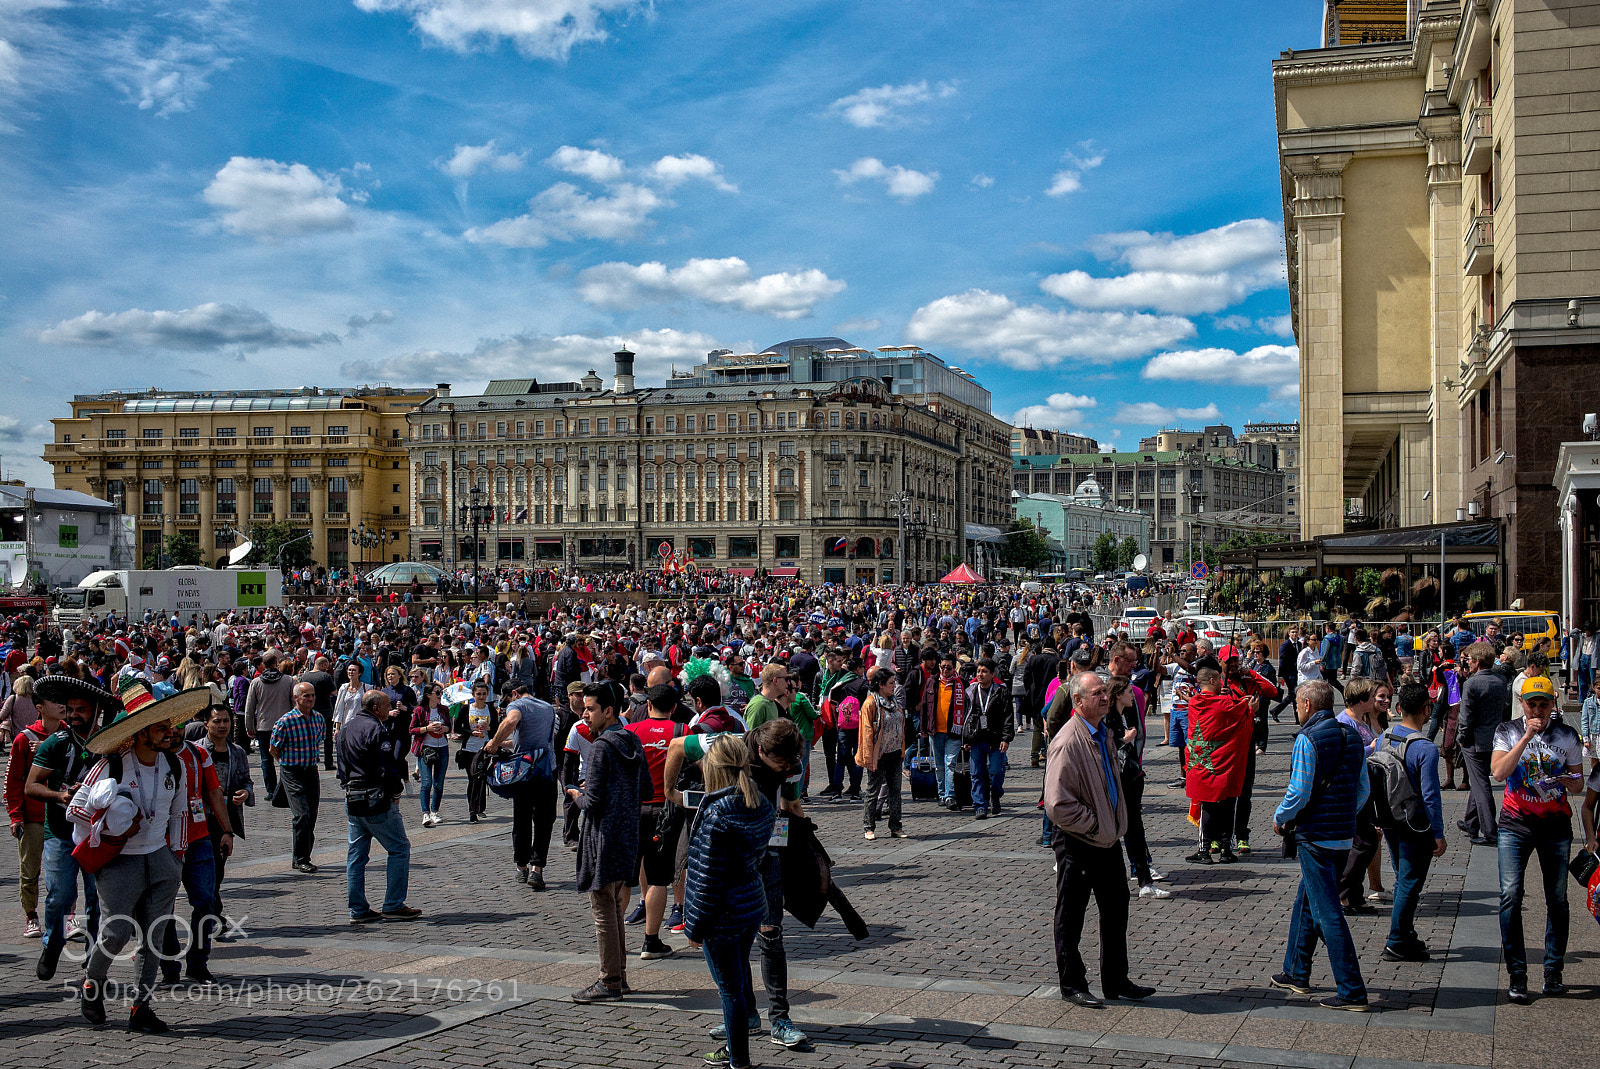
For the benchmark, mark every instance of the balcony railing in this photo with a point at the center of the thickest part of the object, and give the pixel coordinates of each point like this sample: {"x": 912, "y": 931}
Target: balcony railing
{"x": 1477, "y": 142}
{"x": 1479, "y": 258}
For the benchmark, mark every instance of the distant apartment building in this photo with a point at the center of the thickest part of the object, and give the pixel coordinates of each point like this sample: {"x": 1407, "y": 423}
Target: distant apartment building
{"x": 1442, "y": 223}
{"x": 211, "y": 465}
{"x": 1033, "y": 442}
{"x": 1284, "y": 440}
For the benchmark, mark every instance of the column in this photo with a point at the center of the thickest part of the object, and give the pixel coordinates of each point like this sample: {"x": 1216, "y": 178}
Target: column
{"x": 1443, "y": 136}
{"x": 169, "y": 505}
{"x": 280, "y": 498}
{"x": 358, "y": 499}
{"x": 1316, "y": 251}
{"x": 207, "y": 535}
{"x": 319, "y": 518}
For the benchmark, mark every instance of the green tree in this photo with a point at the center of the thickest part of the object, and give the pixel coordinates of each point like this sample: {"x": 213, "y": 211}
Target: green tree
{"x": 1104, "y": 553}
{"x": 267, "y": 538}
{"x": 1025, "y": 547}
{"x": 182, "y": 549}
{"x": 1128, "y": 550}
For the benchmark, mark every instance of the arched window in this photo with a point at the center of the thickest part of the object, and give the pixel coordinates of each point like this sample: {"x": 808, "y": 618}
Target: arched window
{"x": 786, "y": 477}
{"x": 430, "y": 486}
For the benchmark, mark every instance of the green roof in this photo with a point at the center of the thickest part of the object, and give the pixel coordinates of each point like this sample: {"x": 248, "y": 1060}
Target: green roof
{"x": 1089, "y": 460}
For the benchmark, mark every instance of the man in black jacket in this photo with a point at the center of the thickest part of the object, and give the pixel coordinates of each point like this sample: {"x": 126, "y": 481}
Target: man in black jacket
{"x": 373, "y": 777}
{"x": 1485, "y": 698}
{"x": 1288, "y": 659}
{"x": 1036, "y": 677}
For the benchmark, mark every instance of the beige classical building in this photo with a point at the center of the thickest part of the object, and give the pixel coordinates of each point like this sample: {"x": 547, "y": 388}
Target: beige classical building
{"x": 1441, "y": 186}
{"x": 211, "y": 465}
{"x": 836, "y": 481}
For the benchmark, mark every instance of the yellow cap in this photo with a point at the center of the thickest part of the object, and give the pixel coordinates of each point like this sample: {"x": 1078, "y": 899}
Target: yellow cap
{"x": 1538, "y": 685}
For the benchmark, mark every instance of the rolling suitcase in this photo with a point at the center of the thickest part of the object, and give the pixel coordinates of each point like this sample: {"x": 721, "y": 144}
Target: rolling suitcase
{"x": 924, "y": 784}
{"x": 961, "y": 784}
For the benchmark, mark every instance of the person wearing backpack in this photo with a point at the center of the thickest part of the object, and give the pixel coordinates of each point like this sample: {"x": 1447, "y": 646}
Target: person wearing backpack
{"x": 1368, "y": 661}
{"x": 1410, "y": 813}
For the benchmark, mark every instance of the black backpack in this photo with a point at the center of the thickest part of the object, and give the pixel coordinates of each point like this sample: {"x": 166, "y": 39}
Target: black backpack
{"x": 1396, "y": 802}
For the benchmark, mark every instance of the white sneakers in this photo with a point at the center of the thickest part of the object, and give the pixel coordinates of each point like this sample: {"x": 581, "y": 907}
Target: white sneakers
{"x": 1150, "y": 890}
{"x": 1380, "y": 896}
{"x": 430, "y": 819}
{"x": 870, "y": 834}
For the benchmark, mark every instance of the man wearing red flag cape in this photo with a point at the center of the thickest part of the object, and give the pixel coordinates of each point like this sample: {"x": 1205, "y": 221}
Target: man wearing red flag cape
{"x": 1221, "y": 724}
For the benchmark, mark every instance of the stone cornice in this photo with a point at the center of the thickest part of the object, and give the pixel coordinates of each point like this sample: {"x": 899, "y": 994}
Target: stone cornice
{"x": 1334, "y": 69}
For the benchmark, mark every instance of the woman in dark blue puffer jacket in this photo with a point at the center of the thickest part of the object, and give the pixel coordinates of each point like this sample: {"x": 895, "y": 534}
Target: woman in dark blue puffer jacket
{"x": 724, "y": 900}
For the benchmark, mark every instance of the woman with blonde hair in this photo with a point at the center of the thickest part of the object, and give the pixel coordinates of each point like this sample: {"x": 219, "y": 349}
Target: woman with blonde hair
{"x": 724, "y": 897}
{"x": 188, "y": 674}
{"x": 18, "y": 713}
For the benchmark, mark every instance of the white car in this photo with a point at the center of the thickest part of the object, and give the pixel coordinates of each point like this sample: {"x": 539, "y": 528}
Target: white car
{"x": 1136, "y": 621}
{"x": 1194, "y": 605}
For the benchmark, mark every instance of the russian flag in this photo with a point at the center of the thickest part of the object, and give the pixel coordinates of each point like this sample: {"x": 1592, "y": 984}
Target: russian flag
{"x": 838, "y": 544}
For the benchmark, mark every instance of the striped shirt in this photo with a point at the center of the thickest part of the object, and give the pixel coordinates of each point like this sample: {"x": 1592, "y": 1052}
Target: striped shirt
{"x": 298, "y": 737}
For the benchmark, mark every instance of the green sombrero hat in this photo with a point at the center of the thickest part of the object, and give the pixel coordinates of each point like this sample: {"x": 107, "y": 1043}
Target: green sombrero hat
{"x": 141, "y": 709}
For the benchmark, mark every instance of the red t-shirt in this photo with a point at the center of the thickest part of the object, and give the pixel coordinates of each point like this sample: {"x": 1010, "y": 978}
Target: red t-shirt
{"x": 656, "y": 734}
{"x": 201, "y": 779}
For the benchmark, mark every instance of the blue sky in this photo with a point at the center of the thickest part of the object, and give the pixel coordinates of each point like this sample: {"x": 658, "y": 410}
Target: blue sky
{"x": 1077, "y": 202}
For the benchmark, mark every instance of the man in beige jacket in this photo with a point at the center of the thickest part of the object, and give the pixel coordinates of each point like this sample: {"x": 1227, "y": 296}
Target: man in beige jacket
{"x": 1083, "y": 798}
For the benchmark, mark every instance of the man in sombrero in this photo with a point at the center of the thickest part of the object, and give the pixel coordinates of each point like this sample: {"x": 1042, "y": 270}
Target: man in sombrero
{"x": 139, "y": 885}
{"x": 59, "y": 765}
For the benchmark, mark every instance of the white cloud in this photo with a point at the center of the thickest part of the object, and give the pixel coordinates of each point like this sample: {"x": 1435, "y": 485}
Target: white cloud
{"x": 1265, "y": 365}
{"x": 1282, "y": 326}
{"x": 1236, "y": 323}
{"x": 1031, "y": 337}
{"x": 468, "y": 160}
{"x": 726, "y": 282}
{"x": 901, "y": 182}
{"x": 1204, "y": 272}
{"x": 10, "y": 65}
{"x": 1060, "y": 412}
{"x": 359, "y": 323}
{"x": 543, "y": 29}
{"x": 13, "y": 429}
{"x": 981, "y": 181}
{"x": 857, "y": 326}
{"x": 1070, "y": 178}
{"x": 167, "y": 78}
{"x": 203, "y": 328}
{"x": 1288, "y": 392}
{"x": 1157, "y": 415}
{"x": 587, "y": 163}
{"x": 563, "y": 212}
{"x": 672, "y": 170}
{"x": 881, "y": 106}
{"x": 267, "y": 199}
{"x": 551, "y": 358}
{"x": 1247, "y": 242}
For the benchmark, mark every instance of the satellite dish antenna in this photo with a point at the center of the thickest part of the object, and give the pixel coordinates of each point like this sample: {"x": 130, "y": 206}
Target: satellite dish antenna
{"x": 240, "y": 552}
{"x": 1141, "y": 562}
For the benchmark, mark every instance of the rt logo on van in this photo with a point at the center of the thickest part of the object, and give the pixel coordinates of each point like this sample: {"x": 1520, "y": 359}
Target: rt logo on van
{"x": 252, "y": 589}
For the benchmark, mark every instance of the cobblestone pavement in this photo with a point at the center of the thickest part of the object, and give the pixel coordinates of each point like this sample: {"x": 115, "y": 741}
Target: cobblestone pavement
{"x": 958, "y": 969}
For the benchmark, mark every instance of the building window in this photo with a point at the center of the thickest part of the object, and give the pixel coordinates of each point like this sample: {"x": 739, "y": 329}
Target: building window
{"x": 711, "y": 512}
{"x": 649, "y": 512}
{"x": 152, "y": 497}
{"x": 786, "y": 449}
{"x": 261, "y": 462}
{"x": 786, "y": 478}
{"x": 650, "y": 480}
{"x": 833, "y": 509}
{"x": 261, "y": 432}
{"x": 189, "y": 497}
{"x": 226, "y": 497}
{"x": 151, "y": 434}
{"x": 753, "y": 480}
{"x": 338, "y": 462}
{"x": 299, "y": 462}
{"x": 833, "y": 478}
{"x": 671, "y": 480}
{"x": 560, "y": 511}
{"x": 600, "y": 481}
{"x": 116, "y": 434}
{"x": 601, "y": 426}
{"x": 688, "y": 512}
{"x": 786, "y": 510}
{"x": 583, "y": 480}
{"x": 752, "y": 512}
{"x": 300, "y": 496}
{"x": 262, "y": 497}
{"x": 672, "y": 423}
{"x": 151, "y": 465}
{"x": 538, "y": 428}
{"x": 181, "y": 464}
{"x": 622, "y": 426}
{"x": 583, "y": 513}
{"x": 183, "y": 432}
{"x": 339, "y": 495}
{"x": 672, "y": 512}
{"x": 430, "y": 517}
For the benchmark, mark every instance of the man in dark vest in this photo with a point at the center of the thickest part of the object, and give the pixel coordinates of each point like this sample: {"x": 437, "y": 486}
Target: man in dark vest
{"x": 1327, "y": 787}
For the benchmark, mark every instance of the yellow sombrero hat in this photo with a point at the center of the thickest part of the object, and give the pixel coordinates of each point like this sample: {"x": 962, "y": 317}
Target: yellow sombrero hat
{"x": 141, "y": 709}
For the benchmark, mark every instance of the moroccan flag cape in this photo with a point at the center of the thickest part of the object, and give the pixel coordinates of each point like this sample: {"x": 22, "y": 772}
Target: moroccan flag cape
{"x": 1220, "y": 727}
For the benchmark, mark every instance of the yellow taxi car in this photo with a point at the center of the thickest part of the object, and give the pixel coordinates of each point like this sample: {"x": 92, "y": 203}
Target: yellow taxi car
{"x": 1539, "y": 630}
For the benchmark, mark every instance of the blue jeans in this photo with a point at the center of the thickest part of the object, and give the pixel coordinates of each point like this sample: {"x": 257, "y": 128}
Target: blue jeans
{"x": 945, "y": 752}
{"x": 988, "y": 775}
{"x": 390, "y": 831}
{"x": 1178, "y": 728}
{"x": 200, "y": 884}
{"x": 61, "y": 874}
{"x": 432, "y": 779}
{"x": 1319, "y": 914}
{"x": 1516, "y": 849}
{"x": 1411, "y": 858}
{"x": 728, "y": 958}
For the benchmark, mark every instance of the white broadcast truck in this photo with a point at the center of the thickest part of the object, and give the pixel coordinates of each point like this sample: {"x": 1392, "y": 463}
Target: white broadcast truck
{"x": 182, "y": 590}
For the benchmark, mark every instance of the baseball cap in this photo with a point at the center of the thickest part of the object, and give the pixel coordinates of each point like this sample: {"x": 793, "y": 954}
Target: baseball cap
{"x": 575, "y": 687}
{"x": 1538, "y": 686}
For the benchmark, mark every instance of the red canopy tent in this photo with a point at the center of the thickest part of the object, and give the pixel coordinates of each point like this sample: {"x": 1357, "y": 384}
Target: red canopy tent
{"x": 963, "y": 574}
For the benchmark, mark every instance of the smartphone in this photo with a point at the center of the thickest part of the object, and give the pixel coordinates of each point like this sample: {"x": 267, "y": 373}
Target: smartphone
{"x": 692, "y": 799}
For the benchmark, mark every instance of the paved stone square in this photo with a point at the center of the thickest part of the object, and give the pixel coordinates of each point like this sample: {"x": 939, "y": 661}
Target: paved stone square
{"x": 959, "y": 967}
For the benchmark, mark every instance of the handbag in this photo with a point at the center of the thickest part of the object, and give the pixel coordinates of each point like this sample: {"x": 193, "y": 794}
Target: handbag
{"x": 507, "y": 775}
{"x": 279, "y": 797}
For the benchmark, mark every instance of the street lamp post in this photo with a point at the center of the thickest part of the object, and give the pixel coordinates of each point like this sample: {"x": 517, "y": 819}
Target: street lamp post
{"x": 901, "y": 501}
{"x": 475, "y": 514}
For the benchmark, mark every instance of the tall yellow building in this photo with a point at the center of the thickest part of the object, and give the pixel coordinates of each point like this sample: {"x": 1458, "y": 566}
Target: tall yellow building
{"x": 211, "y": 465}
{"x": 1441, "y": 200}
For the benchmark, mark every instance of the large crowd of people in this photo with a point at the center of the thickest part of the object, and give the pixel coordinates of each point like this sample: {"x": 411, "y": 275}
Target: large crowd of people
{"x": 680, "y": 742}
